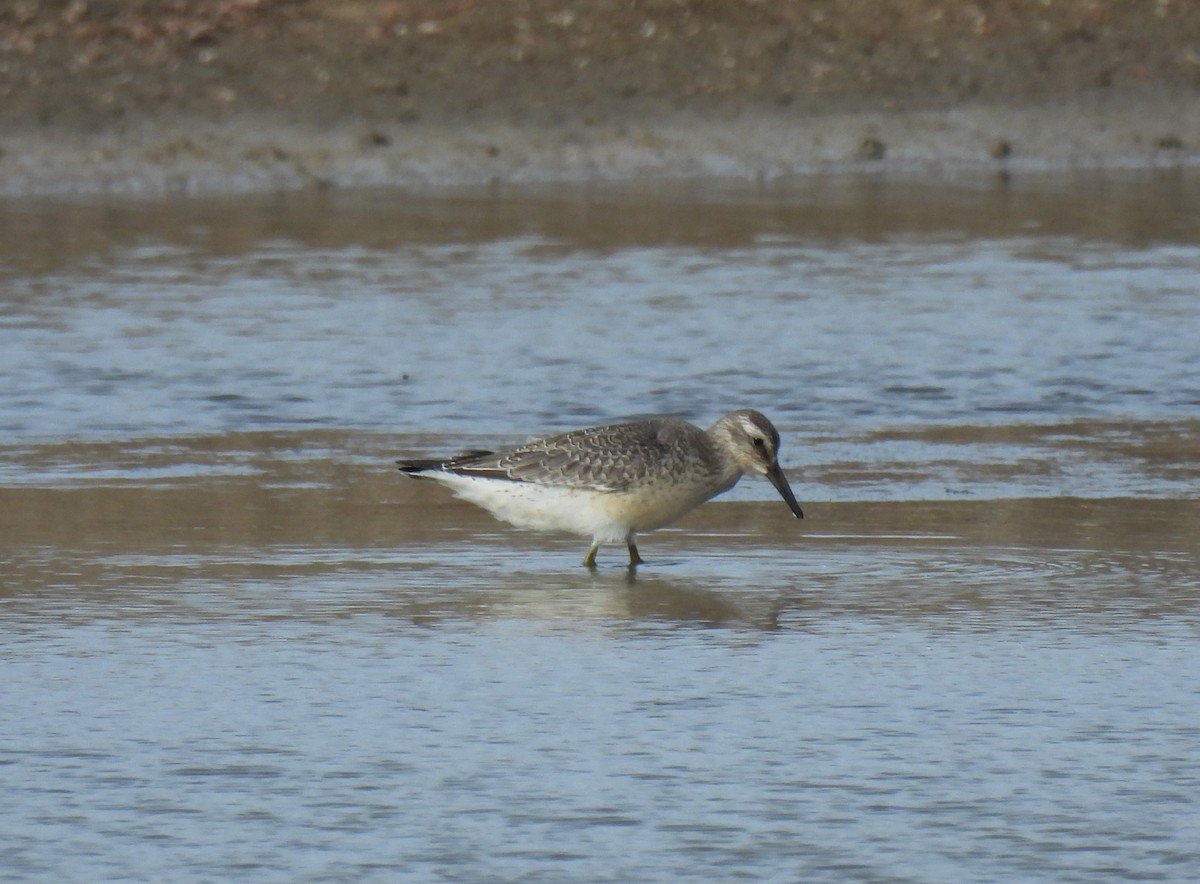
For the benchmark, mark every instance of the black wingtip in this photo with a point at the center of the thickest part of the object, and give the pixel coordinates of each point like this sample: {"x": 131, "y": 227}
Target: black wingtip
{"x": 412, "y": 467}
{"x": 463, "y": 458}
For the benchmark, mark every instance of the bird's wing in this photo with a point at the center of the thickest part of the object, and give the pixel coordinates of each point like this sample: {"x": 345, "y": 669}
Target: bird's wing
{"x": 612, "y": 458}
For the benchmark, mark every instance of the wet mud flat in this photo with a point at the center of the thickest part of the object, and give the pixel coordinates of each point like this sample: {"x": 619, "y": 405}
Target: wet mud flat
{"x": 279, "y": 95}
{"x": 136, "y": 523}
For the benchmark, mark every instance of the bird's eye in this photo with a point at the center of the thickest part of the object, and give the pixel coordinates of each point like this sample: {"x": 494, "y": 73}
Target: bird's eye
{"x": 758, "y": 441}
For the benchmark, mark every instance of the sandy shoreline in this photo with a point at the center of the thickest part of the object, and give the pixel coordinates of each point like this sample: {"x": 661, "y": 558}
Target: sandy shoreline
{"x": 251, "y": 95}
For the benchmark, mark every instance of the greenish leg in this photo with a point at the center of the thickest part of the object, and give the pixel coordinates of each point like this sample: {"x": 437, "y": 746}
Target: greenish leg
{"x": 634, "y": 558}
{"x": 589, "y": 561}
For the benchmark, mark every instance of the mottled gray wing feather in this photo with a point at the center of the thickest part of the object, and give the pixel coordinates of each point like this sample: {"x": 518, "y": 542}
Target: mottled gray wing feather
{"x": 613, "y": 458}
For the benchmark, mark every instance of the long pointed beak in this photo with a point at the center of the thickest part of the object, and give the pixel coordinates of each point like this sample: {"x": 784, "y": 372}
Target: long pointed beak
{"x": 779, "y": 480}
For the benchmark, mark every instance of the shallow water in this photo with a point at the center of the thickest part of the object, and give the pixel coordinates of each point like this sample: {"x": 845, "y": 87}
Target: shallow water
{"x": 237, "y": 644}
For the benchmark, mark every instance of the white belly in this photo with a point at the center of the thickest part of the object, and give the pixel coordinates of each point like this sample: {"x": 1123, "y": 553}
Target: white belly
{"x": 604, "y": 516}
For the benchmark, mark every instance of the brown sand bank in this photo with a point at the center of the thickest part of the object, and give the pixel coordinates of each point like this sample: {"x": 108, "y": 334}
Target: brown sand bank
{"x": 158, "y": 95}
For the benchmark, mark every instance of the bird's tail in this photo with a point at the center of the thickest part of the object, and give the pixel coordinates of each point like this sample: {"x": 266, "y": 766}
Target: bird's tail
{"x": 415, "y": 467}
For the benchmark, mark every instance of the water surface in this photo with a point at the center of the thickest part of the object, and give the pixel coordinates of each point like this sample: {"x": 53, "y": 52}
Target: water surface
{"x": 238, "y": 644}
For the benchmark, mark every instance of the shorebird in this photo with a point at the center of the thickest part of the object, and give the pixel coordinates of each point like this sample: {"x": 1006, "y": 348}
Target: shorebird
{"x": 613, "y": 482}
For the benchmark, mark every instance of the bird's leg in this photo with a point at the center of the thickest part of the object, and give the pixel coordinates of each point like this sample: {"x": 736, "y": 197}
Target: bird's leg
{"x": 634, "y": 558}
{"x": 589, "y": 561}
